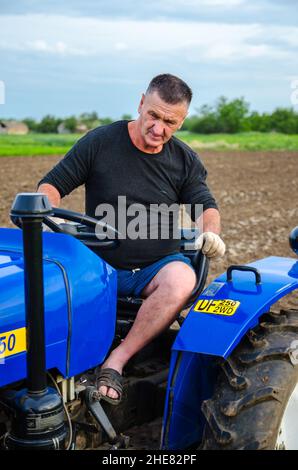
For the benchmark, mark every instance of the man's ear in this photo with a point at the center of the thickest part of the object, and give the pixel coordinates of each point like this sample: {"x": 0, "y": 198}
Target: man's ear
{"x": 141, "y": 103}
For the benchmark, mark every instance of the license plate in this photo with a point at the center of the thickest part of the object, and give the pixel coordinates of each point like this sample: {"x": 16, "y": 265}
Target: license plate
{"x": 217, "y": 307}
{"x": 12, "y": 342}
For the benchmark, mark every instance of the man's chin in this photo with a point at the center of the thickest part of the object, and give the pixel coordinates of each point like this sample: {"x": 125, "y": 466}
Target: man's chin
{"x": 154, "y": 142}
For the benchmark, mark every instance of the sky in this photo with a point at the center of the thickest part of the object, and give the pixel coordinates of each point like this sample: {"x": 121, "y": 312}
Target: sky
{"x": 75, "y": 56}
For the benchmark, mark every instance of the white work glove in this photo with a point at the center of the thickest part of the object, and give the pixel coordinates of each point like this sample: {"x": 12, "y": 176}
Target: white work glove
{"x": 57, "y": 221}
{"x": 211, "y": 245}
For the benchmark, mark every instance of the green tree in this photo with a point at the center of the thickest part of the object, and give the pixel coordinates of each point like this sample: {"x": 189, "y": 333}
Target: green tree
{"x": 260, "y": 122}
{"x": 126, "y": 117}
{"x": 106, "y": 120}
{"x": 49, "y": 124}
{"x": 231, "y": 114}
{"x": 225, "y": 116}
{"x": 91, "y": 120}
{"x": 284, "y": 120}
{"x": 31, "y": 123}
{"x": 70, "y": 123}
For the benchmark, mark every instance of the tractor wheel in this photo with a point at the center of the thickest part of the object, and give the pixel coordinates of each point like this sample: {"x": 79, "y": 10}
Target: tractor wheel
{"x": 255, "y": 400}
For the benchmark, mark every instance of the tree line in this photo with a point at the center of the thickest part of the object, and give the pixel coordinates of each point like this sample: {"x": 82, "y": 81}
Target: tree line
{"x": 232, "y": 116}
{"x": 225, "y": 116}
{"x": 50, "y": 124}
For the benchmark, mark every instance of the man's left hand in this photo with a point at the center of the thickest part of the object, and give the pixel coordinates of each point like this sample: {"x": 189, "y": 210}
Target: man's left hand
{"x": 211, "y": 245}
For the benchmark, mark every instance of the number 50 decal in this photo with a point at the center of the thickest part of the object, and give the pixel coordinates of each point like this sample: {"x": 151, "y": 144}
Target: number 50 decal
{"x": 12, "y": 342}
{"x": 7, "y": 342}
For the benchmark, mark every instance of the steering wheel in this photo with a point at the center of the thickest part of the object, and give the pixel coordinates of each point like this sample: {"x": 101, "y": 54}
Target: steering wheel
{"x": 81, "y": 228}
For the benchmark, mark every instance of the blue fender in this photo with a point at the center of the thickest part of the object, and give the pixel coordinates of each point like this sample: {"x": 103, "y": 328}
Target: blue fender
{"x": 205, "y": 336}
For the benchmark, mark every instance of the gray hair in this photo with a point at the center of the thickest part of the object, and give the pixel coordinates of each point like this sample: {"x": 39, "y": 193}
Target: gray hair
{"x": 170, "y": 88}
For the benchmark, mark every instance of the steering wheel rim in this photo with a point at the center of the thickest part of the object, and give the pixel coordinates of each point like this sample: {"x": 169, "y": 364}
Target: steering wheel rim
{"x": 90, "y": 239}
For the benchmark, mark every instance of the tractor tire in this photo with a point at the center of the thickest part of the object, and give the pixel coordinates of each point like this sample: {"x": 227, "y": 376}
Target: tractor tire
{"x": 255, "y": 400}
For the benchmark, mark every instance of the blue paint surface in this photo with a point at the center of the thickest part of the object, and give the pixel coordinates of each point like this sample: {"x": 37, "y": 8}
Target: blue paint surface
{"x": 79, "y": 328}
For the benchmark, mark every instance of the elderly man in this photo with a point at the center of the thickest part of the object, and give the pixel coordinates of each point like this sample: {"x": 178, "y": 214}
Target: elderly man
{"x": 143, "y": 161}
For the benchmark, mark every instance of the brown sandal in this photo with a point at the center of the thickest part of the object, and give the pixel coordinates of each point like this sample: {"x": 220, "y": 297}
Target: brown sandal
{"x": 110, "y": 378}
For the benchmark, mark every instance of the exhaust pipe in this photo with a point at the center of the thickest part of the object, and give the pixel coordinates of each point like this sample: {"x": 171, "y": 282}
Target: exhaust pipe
{"x": 38, "y": 414}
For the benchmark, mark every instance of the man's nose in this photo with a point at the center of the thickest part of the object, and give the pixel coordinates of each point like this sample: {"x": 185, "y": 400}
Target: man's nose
{"x": 158, "y": 128}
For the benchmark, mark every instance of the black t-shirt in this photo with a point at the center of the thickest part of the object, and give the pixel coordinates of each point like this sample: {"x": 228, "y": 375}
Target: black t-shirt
{"x": 109, "y": 165}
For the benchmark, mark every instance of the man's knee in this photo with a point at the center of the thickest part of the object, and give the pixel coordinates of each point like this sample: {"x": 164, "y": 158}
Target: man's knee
{"x": 178, "y": 279}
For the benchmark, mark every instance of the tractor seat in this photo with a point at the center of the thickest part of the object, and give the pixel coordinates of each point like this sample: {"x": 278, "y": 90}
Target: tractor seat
{"x": 127, "y": 307}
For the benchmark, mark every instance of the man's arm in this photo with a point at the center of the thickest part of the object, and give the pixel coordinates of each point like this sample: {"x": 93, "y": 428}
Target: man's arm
{"x": 52, "y": 193}
{"x": 209, "y": 241}
{"x": 70, "y": 172}
{"x": 195, "y": 191}
{"x": 209, "y": 221}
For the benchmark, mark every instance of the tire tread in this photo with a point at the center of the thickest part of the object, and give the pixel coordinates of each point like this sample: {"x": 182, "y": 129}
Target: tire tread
{"x": 253, "y": 387}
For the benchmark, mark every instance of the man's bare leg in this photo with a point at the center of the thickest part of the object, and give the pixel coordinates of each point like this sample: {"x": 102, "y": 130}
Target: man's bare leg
{"x": 165, "y": 296}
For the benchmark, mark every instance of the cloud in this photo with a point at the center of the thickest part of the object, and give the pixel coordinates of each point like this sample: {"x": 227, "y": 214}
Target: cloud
{"x": 103, "y": 52}
{"x": 198, "y": 41}
{"x": 206, "y": 3}
{"x": 194, "y": 6}
{"x": 121, "y": 46}
{"x": 229, "y": 11}
{"x": 131, "y": 7}
{"x": 59, "y": 47}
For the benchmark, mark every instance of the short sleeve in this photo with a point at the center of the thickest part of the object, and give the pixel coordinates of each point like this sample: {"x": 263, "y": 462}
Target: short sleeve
{"x": 74, "y": 169}
{"x": 195, "y": 190}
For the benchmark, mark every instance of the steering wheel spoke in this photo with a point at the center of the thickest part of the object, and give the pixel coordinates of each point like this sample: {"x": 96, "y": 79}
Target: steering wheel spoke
{"x": 81, "y": 228}
{"x": 52, "y": 225}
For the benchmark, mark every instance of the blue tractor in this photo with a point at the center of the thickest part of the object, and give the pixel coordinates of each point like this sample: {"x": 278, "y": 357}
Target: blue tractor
{"x": 225, "y": 379}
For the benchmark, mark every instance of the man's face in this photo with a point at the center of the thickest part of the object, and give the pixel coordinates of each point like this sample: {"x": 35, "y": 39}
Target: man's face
{"x": 159, "y": 120}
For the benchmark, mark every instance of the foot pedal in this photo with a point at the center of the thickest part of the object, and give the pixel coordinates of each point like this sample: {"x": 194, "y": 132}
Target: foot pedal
{"x": 92, "y": 399}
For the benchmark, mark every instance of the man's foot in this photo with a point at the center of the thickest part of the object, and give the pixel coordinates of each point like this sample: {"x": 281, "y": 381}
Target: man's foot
{"x": 105, "y": 382}
{"x": 110, "y": 380}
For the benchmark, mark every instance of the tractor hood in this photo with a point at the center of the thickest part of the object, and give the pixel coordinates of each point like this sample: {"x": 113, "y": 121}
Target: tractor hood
{"x": 13, "y": 322}
{"x": 80, "y": 305}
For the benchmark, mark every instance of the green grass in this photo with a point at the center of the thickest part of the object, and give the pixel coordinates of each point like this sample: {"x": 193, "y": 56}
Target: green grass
{"x": 241, "y": 141}
{"x": 36, "y": 144}
{"x": 54, "y": 144}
